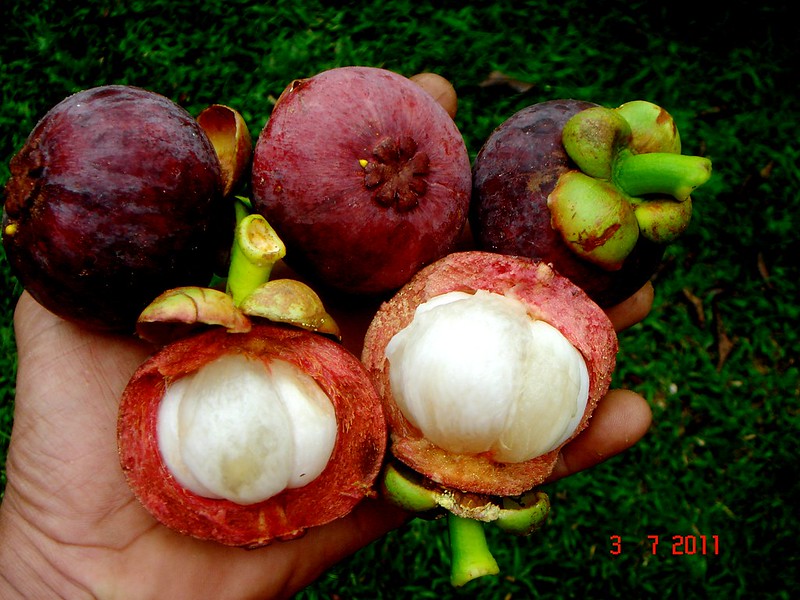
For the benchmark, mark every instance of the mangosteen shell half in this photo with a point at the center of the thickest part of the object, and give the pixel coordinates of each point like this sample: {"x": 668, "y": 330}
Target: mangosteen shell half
{"x": 547, "y": 296}
{"x": 348, "y": 478}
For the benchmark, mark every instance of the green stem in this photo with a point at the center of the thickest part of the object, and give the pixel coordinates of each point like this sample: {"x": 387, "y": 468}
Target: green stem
{"x": 660, "y": 173}
{"x": 256, "y": 249}
{"x": 242, "y": 208}
{"x": 470, "y": 553}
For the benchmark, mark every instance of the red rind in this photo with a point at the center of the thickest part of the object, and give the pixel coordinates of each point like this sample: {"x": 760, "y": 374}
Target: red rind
{"x": 348, "y": 478}
{"x": 549, "y": 297}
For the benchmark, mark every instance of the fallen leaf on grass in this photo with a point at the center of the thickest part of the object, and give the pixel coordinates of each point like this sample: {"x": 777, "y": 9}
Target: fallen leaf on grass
{"x": 496, "y": 78}
{"x": 697, "y": 304}
{"x": 724, "y": 343}
{"x": 763, "y": 270}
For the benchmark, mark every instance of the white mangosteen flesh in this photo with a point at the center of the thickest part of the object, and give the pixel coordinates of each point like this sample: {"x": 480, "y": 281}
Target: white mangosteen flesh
{"x": 476, "y": 373}
{"x": 244, "y": 430}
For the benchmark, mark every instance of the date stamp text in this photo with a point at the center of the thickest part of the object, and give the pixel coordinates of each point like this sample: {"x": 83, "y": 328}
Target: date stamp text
{"x": 675, "y": 545}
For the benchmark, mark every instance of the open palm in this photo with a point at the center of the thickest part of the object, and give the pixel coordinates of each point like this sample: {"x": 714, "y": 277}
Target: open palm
{"x": 70, "y": 527}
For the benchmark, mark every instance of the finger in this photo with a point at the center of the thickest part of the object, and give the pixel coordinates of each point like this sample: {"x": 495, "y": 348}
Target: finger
{"x": 632, "y": 310}
{"x": 369, "y": 521}
{"x": 619, "y": 421}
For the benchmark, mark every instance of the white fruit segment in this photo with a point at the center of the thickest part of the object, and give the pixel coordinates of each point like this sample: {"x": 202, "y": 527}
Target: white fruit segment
{"x": 243, "y": 430}
{"x": 475, "y": 373}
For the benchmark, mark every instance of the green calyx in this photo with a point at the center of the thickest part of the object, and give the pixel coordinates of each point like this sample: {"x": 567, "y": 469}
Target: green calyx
{"x": 407, "y": 492}
{"x": 524, "y": 515}
{"x": 256, "y": 250}
{"x": 652, "y": 128}
{"x": 466, "y": 516}
{"x": 630, "y": 180}
{"x": 249, "y": 292}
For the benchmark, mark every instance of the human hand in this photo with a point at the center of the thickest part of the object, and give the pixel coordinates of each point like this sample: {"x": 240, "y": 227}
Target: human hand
{"x": 622, "y": 417}
{"x": 70, "y": 527}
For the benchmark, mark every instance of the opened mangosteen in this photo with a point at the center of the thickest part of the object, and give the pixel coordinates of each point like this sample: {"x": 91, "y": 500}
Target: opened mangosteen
{"x": 487, "y": 365}
{"x": 250, "y": 424}
{"x": 112, "y": 199}
{"x": 365, "y": 177}
{"x": 596, "y": 192}
{"x": 246, "y": 438}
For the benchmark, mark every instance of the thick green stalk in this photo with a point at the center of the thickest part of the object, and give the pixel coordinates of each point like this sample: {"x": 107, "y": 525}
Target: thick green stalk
{"x": 470, "y": 553}
{"x": 676, "y": 175}
{"x": 256, "y": 249}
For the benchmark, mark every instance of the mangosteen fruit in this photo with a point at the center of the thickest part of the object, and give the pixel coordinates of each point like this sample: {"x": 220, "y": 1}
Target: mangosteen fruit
{"x": 365, "y": 177}
{"x": 596, "y": 192}
{"x": 112, "y": 199}
{"x": 487, "y": 364}
{"x": 246, "y": 438}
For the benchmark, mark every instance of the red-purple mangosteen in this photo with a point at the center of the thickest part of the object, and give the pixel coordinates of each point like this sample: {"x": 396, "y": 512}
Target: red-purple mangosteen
{"x": 112, "y": 200}
{"x": 596, "y": 192}
{"x": 365, "y": 177}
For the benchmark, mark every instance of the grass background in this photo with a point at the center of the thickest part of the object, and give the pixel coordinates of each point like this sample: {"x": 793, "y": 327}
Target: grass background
{"x": 717, "y": 357}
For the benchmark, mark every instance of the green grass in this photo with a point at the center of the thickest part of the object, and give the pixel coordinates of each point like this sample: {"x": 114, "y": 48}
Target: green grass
{"x": 721, "y": 458}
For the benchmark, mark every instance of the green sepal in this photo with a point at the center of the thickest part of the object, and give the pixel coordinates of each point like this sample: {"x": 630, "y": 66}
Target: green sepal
{"x": 594, "y": 218}
{"x": 524, "y": 515}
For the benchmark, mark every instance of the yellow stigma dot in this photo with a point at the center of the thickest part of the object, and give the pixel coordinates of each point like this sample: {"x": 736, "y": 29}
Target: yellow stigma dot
{"x": 10, "y": 229}
{"x": 363, "y": 162}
